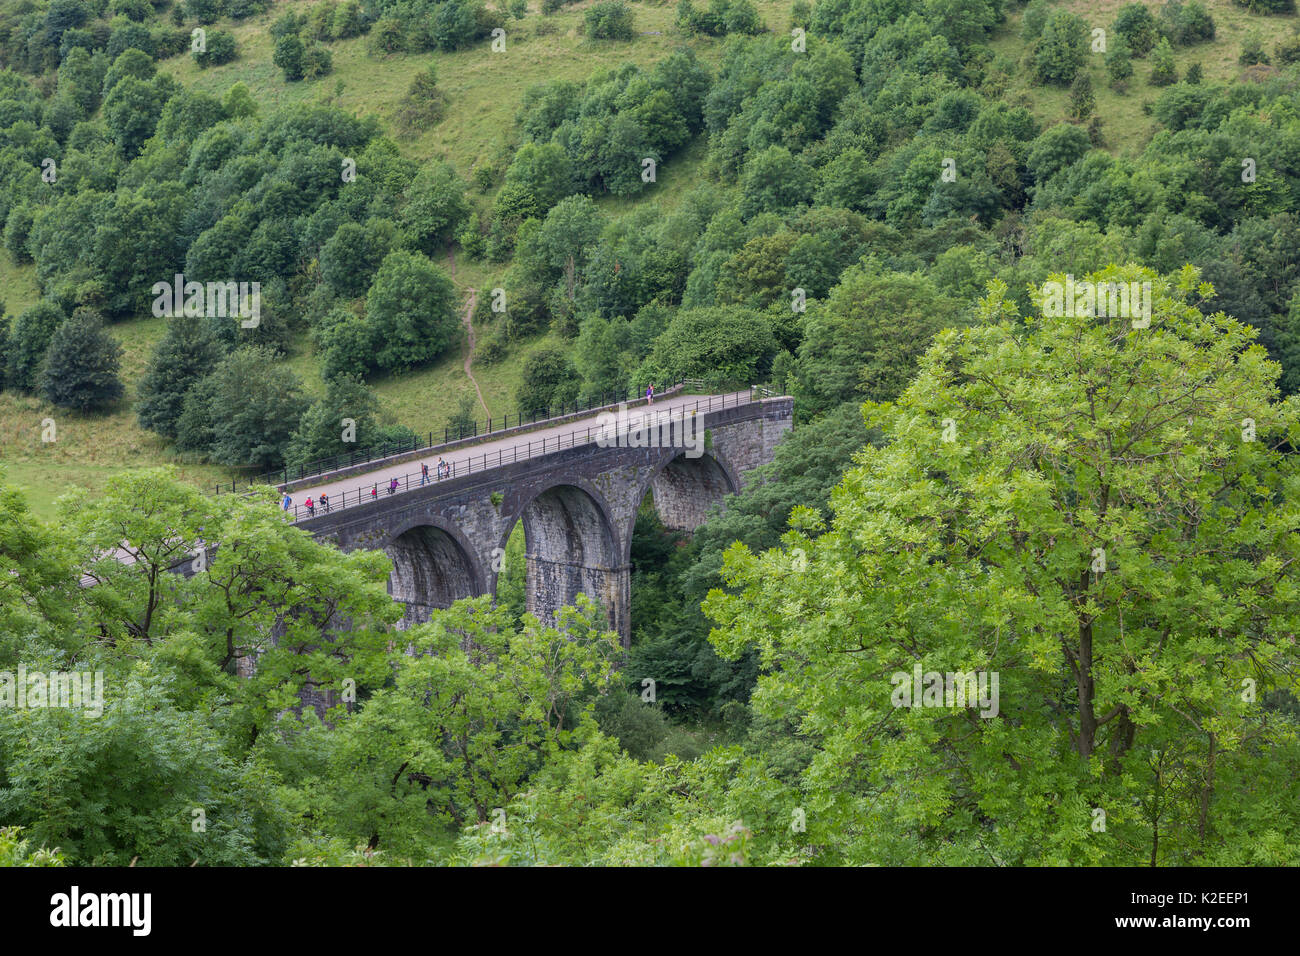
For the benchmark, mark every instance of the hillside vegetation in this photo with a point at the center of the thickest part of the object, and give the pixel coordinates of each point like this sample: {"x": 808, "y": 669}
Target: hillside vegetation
{"x": 878, "y": 207}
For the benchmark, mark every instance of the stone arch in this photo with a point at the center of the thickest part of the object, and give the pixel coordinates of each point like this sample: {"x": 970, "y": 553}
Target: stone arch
{"x": 573, "y": 548}
{"x": 433, "y": 567}
{"x": 685, "y": 488}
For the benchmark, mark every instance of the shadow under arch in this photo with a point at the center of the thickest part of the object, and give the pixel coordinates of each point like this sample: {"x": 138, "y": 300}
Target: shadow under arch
{"x": 433, "y": 567}
{"x": 573, "y": 547}
{"x": 684, "y": 488}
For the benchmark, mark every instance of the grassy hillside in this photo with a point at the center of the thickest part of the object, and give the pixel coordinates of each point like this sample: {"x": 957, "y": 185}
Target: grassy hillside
{"x": 1126, "y": 128}
{"x": 484, "y": 90}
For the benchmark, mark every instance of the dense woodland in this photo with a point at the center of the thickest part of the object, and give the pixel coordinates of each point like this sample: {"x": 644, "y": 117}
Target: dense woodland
{"x": 878, "y": 196}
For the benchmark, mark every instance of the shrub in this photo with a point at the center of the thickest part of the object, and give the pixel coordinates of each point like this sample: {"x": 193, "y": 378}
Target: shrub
{"x": 81, "y": 364}
{"x": 1252, "y": 50}
{"x": 316, "y": 62}
{"x": 288, "y": 56}
{"x": 219, "y": 48}
{"x": 1163, "y": 70}
{"x": 610, "y": 20}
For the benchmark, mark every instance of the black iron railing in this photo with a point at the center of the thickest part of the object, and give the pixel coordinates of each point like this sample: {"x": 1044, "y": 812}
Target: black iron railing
{"x": 451, "y": 436}
{"x": 373, "y": 491}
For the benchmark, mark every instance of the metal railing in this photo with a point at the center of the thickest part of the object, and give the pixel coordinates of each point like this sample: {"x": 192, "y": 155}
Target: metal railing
{"x": 451, "y": 436}
{"x": 523, "y": 451}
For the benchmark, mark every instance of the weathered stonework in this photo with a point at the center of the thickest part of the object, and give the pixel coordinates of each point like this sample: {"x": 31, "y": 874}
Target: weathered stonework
{"x": 578, "y": 507}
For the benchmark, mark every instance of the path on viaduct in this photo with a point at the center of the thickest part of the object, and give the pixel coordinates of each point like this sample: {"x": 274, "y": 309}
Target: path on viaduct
{"x": 575, "y": 491}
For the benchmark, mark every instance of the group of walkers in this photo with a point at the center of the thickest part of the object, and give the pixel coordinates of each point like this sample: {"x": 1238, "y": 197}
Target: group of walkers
{"x": 444, "y": 471}
{"x": 323, "y": 501}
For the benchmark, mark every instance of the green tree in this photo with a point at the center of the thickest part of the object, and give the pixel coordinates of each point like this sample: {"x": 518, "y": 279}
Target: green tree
{"x": 29, "y": 338}
{"x": 435, "y": 206}
{"x": 1119, "y": 63}
{"x": 726, "y": 346}
{"x": 866, "y": 338}
{"x": 349, "y": 259}
{"x": 1082, "y": 99}
{"x": 131, "y": 110}
{"x": 250, "y": 405}
{"x": 774, "y": 181}
{"x": 411, "y": 311}
{"x": 1137, "y": 27}
{"x": 187, "y": 353}
{"x": 1252, "y": 49}
{"x": 1081, "y": 501}
{"x": 81, "y": 365}
{"x": 549, "y": 380}
{"x": 219, "y": 48}
{"x": 1163, "y": 68}
{"x": 609, "y": 20}
{"x": 288, "y": 56}
{"x": 340, "y": 422}
{"x": 459, "y": 731}
{"x": 1061, "y": 50}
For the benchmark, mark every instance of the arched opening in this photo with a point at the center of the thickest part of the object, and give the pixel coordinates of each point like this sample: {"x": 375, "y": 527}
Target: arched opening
{"x": 512, "y": 573}
{"x": 686, "y": 488}
{"x": 572, "y": 549}
{"x": 430, "y": 570}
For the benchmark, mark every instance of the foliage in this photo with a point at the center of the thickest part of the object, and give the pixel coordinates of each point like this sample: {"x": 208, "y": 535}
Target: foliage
{"x": 1141, "y": 659}
{"x": 81, "y": 365}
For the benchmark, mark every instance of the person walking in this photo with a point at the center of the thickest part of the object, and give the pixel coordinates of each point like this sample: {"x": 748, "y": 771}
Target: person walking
{"x": 424, "y": 472}
{"x": 442, "y": 468}
{"x": 374, "y": 492}
{"x": 325, "y": 502}
{"x": 650, "y": 394}
{"x": 287, "y": 501}
{"x": 392, "y": 486}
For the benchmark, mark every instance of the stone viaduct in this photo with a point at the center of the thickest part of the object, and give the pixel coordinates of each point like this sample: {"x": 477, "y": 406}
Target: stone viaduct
{"x": 578, "y": 506}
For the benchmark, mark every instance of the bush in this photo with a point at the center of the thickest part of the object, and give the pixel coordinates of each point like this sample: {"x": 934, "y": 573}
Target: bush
{"x": 260, "y": 403}
{"x": 288, "y": 56}
{"x": 549, "y": 381}
{"x": 1252, "y": 50}
{"x": 1187, "y": 23}
{"x": 81, "y": 364}
{"x": 388, "y": 36}
{"x": 1287, "y": 50}
{"x": 1163, "y": 70}
{"x": 316, "y": 62}
{"x": 423, "y": 105}
{"x": 348, "y": 21}
{"x": 721, "y": 18}
{"x": 1119, "y": 64}
{"x": 491, "y": 349}
{"x": 29, "y": 337}
{"x": 205, "y": 11}
{"x": 1061, "y": 49}
{"x": 1265, "y": 7}
{"x": 168, "y": 43}
{"x": 219, "y": 48}
{"x": 1138, "y": 28}
{"x": 242, "y": 9}
{"x": 610, "y": 20}
{"x": 1033, "y": 20}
